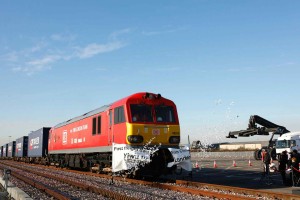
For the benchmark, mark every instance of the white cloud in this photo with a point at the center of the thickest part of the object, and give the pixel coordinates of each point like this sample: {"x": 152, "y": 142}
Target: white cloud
{"x": 29, "y": 70}
{"x": 63, "y": 37}
{"x": 44, "y": 61}
{"x": 170, "y": 30}
{"x": 168, "y": 69}
{"x": 46, "y": 52}
{"x": 10, "y": 57}
{"x": 94, "y": 49}
{"x": 241, "y": 69}
{"x": 37, "y": 65}
{"x": 115, "y": 34}
{"x": 286, "y": 64}
{"x": 38, "y": 47}
{"x": 101, "y": 69}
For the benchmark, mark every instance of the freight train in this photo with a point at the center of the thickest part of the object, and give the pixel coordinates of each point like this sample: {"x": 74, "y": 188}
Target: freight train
{"x": 140, "y": 121}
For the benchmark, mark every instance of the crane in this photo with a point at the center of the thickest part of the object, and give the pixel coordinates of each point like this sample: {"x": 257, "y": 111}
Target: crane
{"x": 260, "y": 126}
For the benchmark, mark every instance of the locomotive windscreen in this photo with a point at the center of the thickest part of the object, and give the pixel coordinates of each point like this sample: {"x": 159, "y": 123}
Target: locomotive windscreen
{"x": 141, "y": 113}
{"x": 146, "y": 113}
{"x": 164, "y": 113}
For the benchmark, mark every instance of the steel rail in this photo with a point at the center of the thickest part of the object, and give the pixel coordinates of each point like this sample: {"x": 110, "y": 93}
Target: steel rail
{"x": 47, "y": 189}
{"x": 178, "y": 188}
{"x": 97, "y": 190}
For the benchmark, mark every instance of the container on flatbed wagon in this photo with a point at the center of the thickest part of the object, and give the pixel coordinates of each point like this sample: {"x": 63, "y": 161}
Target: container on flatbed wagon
{"x": 38, "y": 142}
{"x": 11, "y": 149}
{"x": 21, "y": 147}
{"x": 4, "y": 150}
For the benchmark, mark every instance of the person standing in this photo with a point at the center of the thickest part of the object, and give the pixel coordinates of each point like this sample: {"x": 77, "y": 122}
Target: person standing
{"x": 294, "y": 164}
{"x": 283, "y": 160}
{"x": 266, "y": 160}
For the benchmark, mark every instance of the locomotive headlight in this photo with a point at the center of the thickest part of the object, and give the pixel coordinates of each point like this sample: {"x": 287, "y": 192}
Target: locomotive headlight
{"x": 174, "y": 139}
{"x": 135, "y": 138}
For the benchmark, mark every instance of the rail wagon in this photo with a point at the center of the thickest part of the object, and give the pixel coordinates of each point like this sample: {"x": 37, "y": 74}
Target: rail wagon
{"x": 4, "y": 150}
{"x": 21, "y": 148}
{"x": 11, "y": 149}
{"x": 38, "y": 146}
{"x": 141, "y": 119}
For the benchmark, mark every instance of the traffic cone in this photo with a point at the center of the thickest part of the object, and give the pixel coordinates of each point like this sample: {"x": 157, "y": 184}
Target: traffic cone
{"x": 196, "y": 165}
{"x": 215, "y": 164}
{"x": 250, "y": 164}
{"x": 234, "y": 163}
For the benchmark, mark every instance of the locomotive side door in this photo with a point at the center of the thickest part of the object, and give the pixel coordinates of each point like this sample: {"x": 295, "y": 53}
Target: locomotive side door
{"x": 110, "y": 127}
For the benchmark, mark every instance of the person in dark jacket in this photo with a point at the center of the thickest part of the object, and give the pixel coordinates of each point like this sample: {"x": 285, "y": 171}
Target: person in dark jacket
{"x": 283, "y": 161}
{"x": 266, "y": 160}
{"x": 294, "y": 164}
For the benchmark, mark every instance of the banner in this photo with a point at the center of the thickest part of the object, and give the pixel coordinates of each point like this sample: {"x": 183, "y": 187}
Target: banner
{"x": 125, "y": 157}
{"x": 182, "y": 158}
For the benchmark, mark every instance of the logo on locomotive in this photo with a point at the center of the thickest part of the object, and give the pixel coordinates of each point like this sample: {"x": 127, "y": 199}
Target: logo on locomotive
{"x": 65, "y": 137}
{"x": 155, "y": 132}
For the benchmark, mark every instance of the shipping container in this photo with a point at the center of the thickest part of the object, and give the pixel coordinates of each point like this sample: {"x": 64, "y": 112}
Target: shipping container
{"x": 11, "y": 149}
{"x": 4, "y": 154}
{"x": 21, "y": 147}
{"x": 38, "y": 142}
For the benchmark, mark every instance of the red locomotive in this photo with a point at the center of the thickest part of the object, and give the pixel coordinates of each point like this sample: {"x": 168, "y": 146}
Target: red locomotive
{"x": 140, "y": 119}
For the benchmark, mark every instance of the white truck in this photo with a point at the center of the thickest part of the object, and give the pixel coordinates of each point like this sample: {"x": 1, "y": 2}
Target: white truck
{"x": 288, "y": 142}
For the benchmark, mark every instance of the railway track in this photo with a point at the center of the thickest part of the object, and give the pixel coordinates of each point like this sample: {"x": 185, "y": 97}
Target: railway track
{"x": 54, "y": 187}
{"x": 187, "y": 189}
{"x": 111, "y": 190}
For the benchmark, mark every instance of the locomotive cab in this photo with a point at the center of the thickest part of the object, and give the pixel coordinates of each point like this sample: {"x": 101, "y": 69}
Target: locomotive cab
{"x": 153, "y": 119}
{"x": 153, "y": 122}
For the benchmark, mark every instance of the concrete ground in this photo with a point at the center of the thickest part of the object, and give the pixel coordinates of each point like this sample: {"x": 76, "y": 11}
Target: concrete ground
{"x": 238, "y": 173}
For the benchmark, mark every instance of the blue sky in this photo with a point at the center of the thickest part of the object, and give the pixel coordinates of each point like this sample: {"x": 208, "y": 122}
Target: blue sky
{"x": 219, "y": 61}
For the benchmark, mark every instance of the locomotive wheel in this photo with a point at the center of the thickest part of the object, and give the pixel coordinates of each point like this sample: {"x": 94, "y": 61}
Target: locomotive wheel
{"x": 178, "y": 170}
{"x": 257, "y": 154}
{"x": 136, "y": 174}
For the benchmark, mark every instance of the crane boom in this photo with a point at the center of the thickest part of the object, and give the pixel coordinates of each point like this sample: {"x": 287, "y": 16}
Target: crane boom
{"x": 266, "y": 127}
